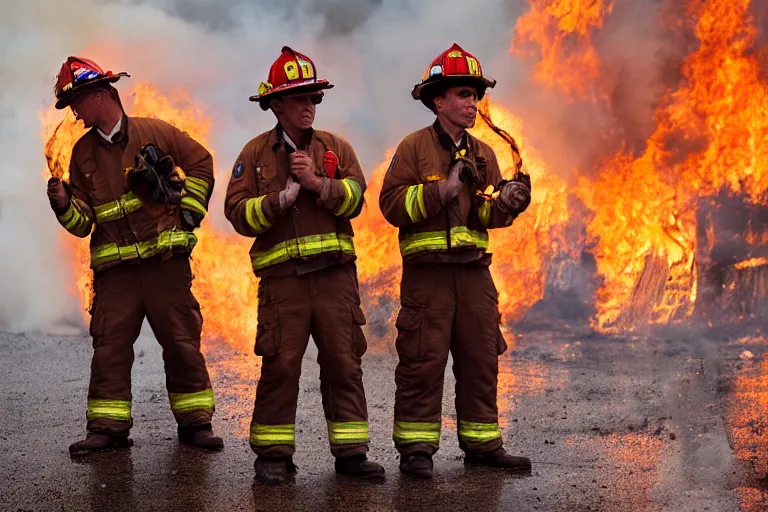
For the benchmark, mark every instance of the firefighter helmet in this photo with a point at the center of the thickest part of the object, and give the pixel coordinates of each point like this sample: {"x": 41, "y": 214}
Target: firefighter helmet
{"x": 77, "y": 74}
{"x": 291, "y": 73}
{"x": 455, "y": 66}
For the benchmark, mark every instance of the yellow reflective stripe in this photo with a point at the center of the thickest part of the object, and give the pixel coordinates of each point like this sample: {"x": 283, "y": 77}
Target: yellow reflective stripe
{"x": 119, "y": 410}
{"x": 107, "y": 212}
{"x": 254, "y": 214}
{"x": 187, "y": 402}
{"x": 407, "y": 432}
{"x": 68, "y": 216}
{"x": 303, "y": 247}
{"x": 484, "y": 213}
{"x": 461, "y": 236}
{"x": 193, "y": 205}
{"x": 348, "y": 432}
{"x": 74, "y": 220}
{"x": 414, "y": 203}
{"x": 197, "y": 187}
{"x": 165, "y": 241}
{"x": 478, "y": 432}
{"x": 352, "y": 197}
{"x": 266, "y": 435}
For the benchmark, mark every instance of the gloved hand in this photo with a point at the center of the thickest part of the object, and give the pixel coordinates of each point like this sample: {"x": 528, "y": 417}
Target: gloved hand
{"x": 514, "y": 197}
{"x": 450, "y": 187}
{"x": 154, "y": 176}
{"x": 58, "y": 195}
{"x": 305, "y": 171}
{"x": 288, "y": 195}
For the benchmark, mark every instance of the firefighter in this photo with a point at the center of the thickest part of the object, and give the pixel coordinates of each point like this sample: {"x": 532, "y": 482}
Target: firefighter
{"x": 295, "y": 189}
{"x": 141, "y": 241}
{"x": 436, "y": 191}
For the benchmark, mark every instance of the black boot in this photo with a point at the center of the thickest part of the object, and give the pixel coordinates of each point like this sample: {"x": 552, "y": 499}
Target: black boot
{"x": 273, "y": 471}
{"x": 358, "y": 466}
{"x": 200, "y": 436}
{"x": 99, "y": 442}
{"x": 418, "y": 464}
{"x": 498, "y": 458}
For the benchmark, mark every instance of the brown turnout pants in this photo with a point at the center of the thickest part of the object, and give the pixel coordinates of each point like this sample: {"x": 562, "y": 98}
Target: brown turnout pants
{"x": 326, "y": 305}
{"x": 447, "y": 306}
{"x": 124, "y": 296}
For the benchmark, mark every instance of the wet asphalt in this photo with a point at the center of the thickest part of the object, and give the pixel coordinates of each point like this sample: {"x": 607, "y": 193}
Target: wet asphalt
{"x": 675, "y": 421}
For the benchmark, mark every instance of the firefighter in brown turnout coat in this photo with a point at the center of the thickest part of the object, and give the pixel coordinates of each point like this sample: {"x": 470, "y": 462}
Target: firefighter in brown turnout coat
{"x": 436, "y": 191}
{"x": 295, "y": 189}
{"x": 126, "y": 192}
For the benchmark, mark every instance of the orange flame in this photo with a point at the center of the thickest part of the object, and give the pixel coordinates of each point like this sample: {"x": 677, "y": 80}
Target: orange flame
{"x": 562, "y": 31}
{"x": 645, "y": 208}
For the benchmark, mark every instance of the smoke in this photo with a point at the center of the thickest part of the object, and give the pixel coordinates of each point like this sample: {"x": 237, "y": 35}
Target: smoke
{"x": 640, "y": 58}
{"x": 219, "y": 51}
{"x": 374, "y": 51}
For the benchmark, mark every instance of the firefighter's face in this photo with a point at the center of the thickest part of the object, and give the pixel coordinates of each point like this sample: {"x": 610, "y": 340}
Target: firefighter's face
{"x": 458, "y": 105}
{"x": 297, "y": 110}
{"x": 87, "y": 107}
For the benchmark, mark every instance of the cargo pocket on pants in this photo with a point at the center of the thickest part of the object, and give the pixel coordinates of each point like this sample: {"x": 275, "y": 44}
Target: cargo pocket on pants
{"x": 359, "y": 345}
{"x": 408, "y": 343}
{"x": 267, "y": 331}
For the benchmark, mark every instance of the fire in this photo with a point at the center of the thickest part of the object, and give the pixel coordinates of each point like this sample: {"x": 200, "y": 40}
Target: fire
{"x": 562, "y": 31}
{"x": 523, "y": 254}
{"x": 648, "y": 220}
{"x": 645, "y": 208}
{"x": 61, "y": 136}
{"x": 751, "y": 263}
{"x": 378, "y": 259}
{"x": 224, "y": 283}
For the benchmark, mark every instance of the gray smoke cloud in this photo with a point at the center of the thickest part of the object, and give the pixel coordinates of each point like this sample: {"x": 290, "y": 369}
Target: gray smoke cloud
{"x": 374, "y": 51}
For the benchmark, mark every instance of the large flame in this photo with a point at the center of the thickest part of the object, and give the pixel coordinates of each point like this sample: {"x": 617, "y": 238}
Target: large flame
{"x": 711, "y": 134}
{"x": 641, "y": 215}
{"x": 562, "y": 32}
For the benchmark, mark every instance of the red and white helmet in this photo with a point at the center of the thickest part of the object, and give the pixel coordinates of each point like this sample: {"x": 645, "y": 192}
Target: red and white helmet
{"x": 291, "y": 73}
{"x": 453, "y": 66}
{"x": 77, "y": 74}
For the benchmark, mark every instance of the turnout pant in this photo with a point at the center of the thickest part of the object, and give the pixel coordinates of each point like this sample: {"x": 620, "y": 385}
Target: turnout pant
{"x": 447, "y": 307}
{"x": 124, "y": 295}
{"x": 326, "y": 305}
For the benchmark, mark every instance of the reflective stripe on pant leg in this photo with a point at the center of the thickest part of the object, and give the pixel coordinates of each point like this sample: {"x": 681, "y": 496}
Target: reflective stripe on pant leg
{"x": 478, "y": 432}
{"x": 406, "y": 432}
{"x": 348, "y": 432}
{"x": 268, "y": 435}
{"x": 119, "y": 410}
{"x": 188, "y": 402}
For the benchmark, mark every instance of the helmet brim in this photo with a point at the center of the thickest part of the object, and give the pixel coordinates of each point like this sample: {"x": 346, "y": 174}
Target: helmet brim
{"x": 423, "y": 89}
{"x": 68, "y": 97}
{"x": 289, "y": 90}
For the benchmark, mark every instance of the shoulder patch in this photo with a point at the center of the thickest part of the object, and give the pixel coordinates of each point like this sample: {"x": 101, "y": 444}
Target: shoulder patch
{"x": 237, "y": 171}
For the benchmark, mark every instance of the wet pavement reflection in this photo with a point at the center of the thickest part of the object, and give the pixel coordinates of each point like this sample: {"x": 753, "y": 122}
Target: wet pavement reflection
{"x": 671, "y": 421}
